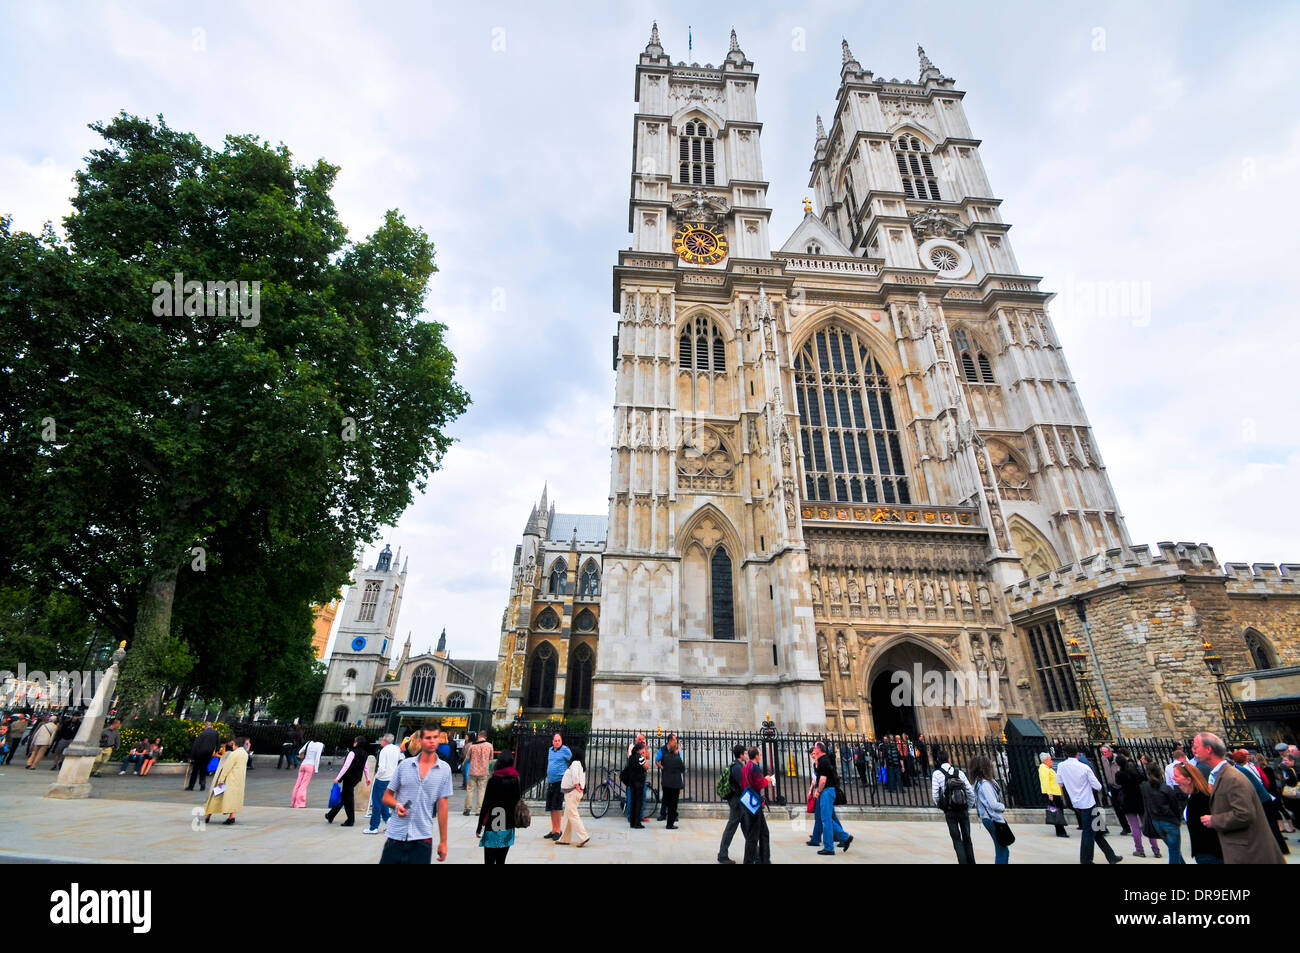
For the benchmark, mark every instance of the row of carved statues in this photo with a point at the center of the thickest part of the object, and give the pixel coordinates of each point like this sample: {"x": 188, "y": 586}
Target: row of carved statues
{"x": 886, "y": 588}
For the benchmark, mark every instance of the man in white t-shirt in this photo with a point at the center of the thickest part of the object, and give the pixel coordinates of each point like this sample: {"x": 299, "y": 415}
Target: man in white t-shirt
{"x": 389, "y": 757}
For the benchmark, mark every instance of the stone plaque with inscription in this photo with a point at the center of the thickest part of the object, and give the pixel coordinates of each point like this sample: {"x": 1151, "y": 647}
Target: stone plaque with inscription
{"x": 718, "y": 709}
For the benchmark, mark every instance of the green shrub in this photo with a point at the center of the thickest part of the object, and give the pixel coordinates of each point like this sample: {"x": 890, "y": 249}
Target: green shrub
{"x": 177, "y": 736}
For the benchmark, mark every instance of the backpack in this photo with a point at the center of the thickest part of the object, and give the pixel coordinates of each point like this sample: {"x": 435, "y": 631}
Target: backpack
{"x": 952, "y": 796}
{"x": 723, "y": 788}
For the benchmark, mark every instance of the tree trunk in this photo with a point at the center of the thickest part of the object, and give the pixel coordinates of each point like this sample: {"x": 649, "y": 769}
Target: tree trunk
{"x": 153, "y": 621}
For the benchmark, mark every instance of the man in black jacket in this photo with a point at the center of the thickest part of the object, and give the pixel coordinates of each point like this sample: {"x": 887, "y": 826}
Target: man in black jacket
{"x": 735, "y": 810}
{"x": 200, "y": 754}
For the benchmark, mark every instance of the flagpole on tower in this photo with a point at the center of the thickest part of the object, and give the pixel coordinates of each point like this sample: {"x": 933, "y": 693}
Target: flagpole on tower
{"x": 690, "y": 40}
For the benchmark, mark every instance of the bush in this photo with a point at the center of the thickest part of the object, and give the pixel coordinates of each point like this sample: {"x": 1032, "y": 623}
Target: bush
{"x": 177, "y": 736}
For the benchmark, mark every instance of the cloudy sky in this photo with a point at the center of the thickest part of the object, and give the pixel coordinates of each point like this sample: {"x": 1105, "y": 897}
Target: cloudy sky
{"x": 1155, "y": 146}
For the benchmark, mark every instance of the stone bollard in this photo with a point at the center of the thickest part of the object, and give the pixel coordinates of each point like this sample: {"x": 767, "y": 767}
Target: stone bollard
{"x": 74, "y": 776}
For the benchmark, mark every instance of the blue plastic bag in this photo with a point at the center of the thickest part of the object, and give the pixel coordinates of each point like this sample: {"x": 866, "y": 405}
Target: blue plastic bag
{"x": 336, "y": 795}
{"x": 214, "y": 763}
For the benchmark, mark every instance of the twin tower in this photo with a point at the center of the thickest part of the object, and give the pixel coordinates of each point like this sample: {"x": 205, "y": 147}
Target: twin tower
{"x": 829, "y": 459}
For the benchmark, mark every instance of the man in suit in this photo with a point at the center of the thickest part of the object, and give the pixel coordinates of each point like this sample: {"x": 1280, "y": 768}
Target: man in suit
{"x": 200, "y": 754}
{"x": 1236, "y": 813}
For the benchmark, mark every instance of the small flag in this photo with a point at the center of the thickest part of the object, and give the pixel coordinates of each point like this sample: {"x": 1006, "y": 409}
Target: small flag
{"x": 690, "y": 42}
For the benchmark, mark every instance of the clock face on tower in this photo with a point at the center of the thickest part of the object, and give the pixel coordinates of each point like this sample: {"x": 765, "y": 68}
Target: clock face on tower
{"x": 700, "y": 244}
{"x": 358, "y": 644}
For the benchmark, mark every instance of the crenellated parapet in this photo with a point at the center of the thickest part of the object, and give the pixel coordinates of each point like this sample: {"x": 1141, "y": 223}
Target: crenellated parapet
{"x": 1115, "y": 567}
{"x": 1263, "y": 579}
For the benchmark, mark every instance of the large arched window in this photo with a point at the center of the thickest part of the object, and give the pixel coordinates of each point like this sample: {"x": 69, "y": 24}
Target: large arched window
{"x": 581, "y": 665}
{"x": 541, "y": 677}
{"x": 695, "y": 154}
{"x": 720, "y": 600}
{"x": 852, "y": 452}
{"x": 1261, "y": 655}
{"x": 456, "y": 700}
{"x": 382, "y": 703}
{"x": 590, "y": 583}
{"x": 915, "y": 168}
{"x": 975, "y": 366}
{"x": 422, "y": 686}
{"x": 559, "y": 572}
{"x": 701, "y": 346}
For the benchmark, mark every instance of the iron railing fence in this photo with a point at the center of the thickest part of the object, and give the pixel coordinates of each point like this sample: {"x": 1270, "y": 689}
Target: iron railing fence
{"x": 873, "y": 773}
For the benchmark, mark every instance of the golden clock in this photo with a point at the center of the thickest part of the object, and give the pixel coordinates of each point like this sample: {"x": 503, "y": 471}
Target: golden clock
{"x": 700, "y": 244}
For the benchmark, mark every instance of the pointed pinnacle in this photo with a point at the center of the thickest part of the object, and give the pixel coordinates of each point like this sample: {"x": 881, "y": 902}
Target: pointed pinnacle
{"x": 845, "y": 51}
{"x": 925, "y": 60}
{"x": 735, "y": 44}
{"x": 654, "y": 33}
{"x": 821, "y": 130}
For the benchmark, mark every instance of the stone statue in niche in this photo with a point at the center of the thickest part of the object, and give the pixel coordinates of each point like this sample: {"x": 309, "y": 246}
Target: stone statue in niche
{"x": 891, "y": 591}
{"x": 855, "y": 594}
{"x": 754, "y": 444}
{"x": 789, "y": 511}
{"x": 910, "y": 591}
{"x": 823, "y": 654}
{"x": 945, "y": 593}
{"x": 873, "y": 596}
{"x": 983, "y": 593}
{"x": 785, "y": 449}
{"x": 835, "y": 587}
{"x": 842, "y": 653}
{"x": 963, "y": 593}
{"x": 927, "y": 593}
{"x": 999, "y": 655}
{"x": 816, "y": 588}
{"x": 977, "y": 656}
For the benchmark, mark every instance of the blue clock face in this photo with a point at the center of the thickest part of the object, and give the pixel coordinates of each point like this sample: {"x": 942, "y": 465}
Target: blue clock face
{"x": 358, "y": 643}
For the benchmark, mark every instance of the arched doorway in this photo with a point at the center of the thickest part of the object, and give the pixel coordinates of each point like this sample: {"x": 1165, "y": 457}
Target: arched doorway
{"x": 913, "y": 690}
{"x": 887, "y": 717}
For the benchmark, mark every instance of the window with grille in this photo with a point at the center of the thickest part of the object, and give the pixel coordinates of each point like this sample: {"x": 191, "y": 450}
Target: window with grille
{"x": 422, "y": 686}
{"x": 849, "y": 439}
{"x": 701, "y": 346}
{"x": 341, "y": 714}
{"x": 695, "y": 154}
{"x": 975, "y": 365}
{"x": 382, "y": 703}
{"x": 369, "y": 601}
{"x": 1055, "y": 676}
{"x": 915, "y": 168}
{"x": 541, "y": 678}
{"x": 456, "y": 700}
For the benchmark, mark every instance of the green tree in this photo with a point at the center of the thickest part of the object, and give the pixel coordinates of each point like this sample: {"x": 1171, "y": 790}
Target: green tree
{"x": 145, "y": 443}
{"x": 298, "y": 693}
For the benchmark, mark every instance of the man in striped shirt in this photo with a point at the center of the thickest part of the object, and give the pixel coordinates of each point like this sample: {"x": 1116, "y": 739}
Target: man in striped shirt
{"x": 418, "y": 785}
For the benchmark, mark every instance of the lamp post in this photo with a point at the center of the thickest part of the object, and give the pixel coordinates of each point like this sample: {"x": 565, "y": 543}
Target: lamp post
{"x": 1095, "y": 723}
{"x": 1236, "y": 731}
{"x": 767, "y": 733}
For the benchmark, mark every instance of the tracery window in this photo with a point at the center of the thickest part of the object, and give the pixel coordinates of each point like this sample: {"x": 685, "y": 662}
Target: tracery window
{"x": 701, "y": 346}
{"x": 559, "y": 572}
{"x": 915, "y": 168}
{"x": 382, "y": 703}
{"x": 590, "y": 584}
{"x": 975, "y": 365}
{"x": 695, "y": 154}
{"x": 720, "y": 598}
{"x": 422, "y": 686}
{"x": 852, "y": 452}
{"x": 369, "y": 601}
{"x": 455, "y": 700}
{"x": 547, "y": 619}
{"x": 541, "y": 678}
{"x": 579, "y": 683}
{"x": 1260, "y": 656}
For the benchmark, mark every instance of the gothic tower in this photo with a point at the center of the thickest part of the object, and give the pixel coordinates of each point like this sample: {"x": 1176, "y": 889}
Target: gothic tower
{"x": 363, "y": 648}
{"x": 706, "y": 616}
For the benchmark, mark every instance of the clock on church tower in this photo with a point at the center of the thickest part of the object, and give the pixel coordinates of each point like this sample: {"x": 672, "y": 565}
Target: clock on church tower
{"x": 700, "y": 244}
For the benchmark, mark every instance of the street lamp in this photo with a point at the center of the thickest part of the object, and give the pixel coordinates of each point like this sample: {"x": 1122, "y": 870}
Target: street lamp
{"x": 1095, "y": 723}
{"x": 1236, "y": 731}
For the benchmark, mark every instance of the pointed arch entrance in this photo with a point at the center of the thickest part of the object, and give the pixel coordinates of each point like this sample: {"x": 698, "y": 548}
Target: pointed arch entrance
{"x": 917, "y": 688}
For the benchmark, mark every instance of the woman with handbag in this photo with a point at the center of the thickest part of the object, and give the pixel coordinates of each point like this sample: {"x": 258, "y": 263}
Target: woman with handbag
{"x": 499, "y": 815}
{"x": 227, "y": 794}
{"x": 1162, "y": 812}
{"x": 350, "y": 775}
{"x": 989, "y": 807}
{"x": 673, "y": 776}
{"x": 1131, "y": 778}
{"x": 309, "y": 755}
{"x": 1051, "y": 787}
{"x": 572, "y": 786}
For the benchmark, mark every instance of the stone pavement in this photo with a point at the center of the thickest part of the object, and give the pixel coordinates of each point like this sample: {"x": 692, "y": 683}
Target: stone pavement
{"x": 148, "y": 820}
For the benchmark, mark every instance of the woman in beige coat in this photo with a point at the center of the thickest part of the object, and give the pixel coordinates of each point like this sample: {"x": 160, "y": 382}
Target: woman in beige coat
{"x": 227, "y": 794}
{"x": 572, "y": 785}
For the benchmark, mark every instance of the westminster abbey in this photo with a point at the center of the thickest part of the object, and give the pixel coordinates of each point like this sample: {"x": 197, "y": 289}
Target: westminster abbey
{"x": 857, "y": 454}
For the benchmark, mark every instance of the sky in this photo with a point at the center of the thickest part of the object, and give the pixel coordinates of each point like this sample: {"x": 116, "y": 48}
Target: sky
{"x": 1146, "y": 149}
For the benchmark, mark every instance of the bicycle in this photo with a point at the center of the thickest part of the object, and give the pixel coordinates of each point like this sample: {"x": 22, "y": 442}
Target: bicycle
{"x": 612, "y": 789}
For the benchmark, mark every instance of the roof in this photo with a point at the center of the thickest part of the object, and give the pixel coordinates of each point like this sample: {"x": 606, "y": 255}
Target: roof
{"x": 590, "y": 528}
{"x": 813, "y": 229}
{"x": 482, "y": 673}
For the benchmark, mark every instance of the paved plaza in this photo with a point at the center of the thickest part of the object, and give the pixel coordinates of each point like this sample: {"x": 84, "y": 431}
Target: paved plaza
{"x": 154, "y": 820}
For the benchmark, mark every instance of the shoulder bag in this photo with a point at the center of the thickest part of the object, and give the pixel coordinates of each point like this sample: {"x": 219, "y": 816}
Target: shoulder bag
{"x": 523, "y": 817}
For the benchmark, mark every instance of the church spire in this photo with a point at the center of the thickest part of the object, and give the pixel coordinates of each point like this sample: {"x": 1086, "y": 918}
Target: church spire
{"x": 735, "y": 44}
{"x": 849, "y": 63}
{"x": 442, "y": 641}
{"x": 653, "y": 48}
{"x": 928, "y": 69}
{"x": 821, "y": 130}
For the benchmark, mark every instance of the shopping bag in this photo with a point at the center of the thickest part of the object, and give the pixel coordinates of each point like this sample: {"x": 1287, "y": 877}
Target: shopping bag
{"x": 336, "y": 795}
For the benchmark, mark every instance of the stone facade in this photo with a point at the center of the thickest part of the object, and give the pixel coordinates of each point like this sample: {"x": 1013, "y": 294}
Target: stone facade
{"x": 833, "y": 463}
